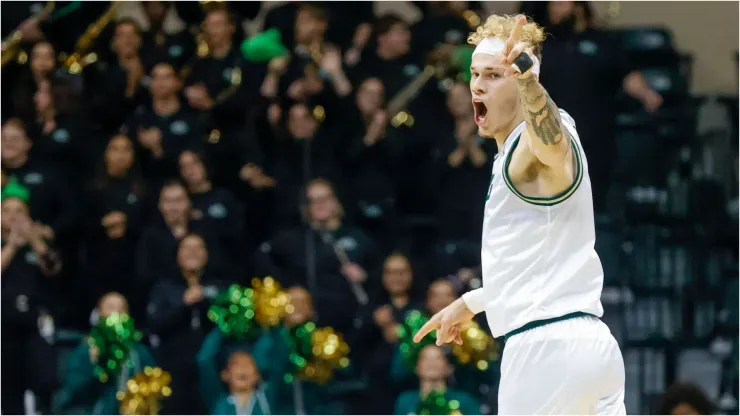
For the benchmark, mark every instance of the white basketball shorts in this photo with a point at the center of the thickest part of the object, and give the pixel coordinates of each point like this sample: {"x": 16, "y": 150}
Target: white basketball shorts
{"x": 569, "y": 367}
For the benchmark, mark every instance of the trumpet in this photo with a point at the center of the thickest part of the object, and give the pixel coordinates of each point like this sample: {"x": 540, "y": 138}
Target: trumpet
{"x": 11, "y": 50}
{"x": 81, "y": 58}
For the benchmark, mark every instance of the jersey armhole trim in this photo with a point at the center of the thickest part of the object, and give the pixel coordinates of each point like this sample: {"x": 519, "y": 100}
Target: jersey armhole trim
{"x": 547, "y": 202}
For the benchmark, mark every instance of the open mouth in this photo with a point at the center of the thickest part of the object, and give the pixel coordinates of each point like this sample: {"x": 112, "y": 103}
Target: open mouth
{"x": 480, "y": 112}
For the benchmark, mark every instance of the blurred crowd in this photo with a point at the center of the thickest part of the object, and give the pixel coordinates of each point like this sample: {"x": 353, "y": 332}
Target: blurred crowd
{"x": 145, "y": 171}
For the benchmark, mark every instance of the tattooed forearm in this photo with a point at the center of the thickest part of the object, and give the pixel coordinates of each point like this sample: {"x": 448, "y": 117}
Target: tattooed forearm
{"x": 540, "y": 111}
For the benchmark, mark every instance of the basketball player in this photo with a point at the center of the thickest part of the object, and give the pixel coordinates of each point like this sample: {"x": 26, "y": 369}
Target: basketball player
{"x": 542, "y": 279}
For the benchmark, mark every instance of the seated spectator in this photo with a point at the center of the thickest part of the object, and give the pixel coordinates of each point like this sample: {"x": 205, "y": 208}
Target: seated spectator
{"x": 116, "y": 88}
{"x": 115, "y": 201}
{"x": 29, "y": 301}
{"x": 376, "y": 333}
{"x": 337, "y": 276}
{"x": 82, "y": 392}
{"x": 59, "y": 134}
{"x": 219, "y": 206}
{"x": 245, "y": 394}
{"x": 272, "y": 353}
{"x": 157, "y": 43}
{"x": 157, "y": 249}
{"x": 371, "y": 154}
{"x": 433, "y": 370}
{"x": 178, "y": 322}
{"x": 42, "y": 63}
{"x": 464, "y": 162}
{"x": 51, "y": 198}
{"x": 218, "y": 84}
{"x": 306, "y": 153}
{"x": 166, "y": 127}
{"x": 685, "y": 399}
{"x": 443, "y": 23}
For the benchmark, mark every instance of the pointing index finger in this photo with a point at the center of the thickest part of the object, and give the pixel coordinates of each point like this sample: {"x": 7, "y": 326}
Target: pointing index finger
{"x": 428, "y": 327}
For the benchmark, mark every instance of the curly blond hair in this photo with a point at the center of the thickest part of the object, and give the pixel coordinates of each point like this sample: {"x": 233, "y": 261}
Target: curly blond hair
{"x": 501, "y": 26}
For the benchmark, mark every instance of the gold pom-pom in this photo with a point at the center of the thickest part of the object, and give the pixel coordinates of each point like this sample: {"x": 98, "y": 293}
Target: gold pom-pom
{"x": 328, "y": 353}
{"x": 144, "y": 392}
{"x": 271, "y": 302}
{"x": 478, "y": 348}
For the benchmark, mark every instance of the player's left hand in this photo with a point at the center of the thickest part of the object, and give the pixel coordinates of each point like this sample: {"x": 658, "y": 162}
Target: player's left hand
{"x": 514, "y": 48}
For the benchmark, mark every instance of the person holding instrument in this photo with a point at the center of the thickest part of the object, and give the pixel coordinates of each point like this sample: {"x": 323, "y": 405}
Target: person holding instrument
{"x": 542, "y": 278}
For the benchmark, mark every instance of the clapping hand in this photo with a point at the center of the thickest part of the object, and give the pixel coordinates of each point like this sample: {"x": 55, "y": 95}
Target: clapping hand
{"x": 193, "y": 294}
{"x": 198, "y": 97}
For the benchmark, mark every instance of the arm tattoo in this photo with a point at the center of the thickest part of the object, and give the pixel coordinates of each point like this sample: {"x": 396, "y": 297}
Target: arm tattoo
{"x": 540, "y": 111}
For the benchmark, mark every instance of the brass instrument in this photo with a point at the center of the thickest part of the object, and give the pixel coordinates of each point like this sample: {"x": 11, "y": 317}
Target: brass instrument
{"x": 438, "y": 67}
{"x": 472, "y": 18}
{"x": 81, "y": 58}
{"x": 11, "y": 50}
{"x": 201, "y": 50}
{"x": 398, "y": 103}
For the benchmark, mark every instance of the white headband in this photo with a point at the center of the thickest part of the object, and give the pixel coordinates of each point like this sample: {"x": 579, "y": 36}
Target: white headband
{"x": 494, "y": 45}
{"x": 490, "y": 46}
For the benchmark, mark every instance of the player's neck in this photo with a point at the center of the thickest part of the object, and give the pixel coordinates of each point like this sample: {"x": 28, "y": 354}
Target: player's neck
{"x": 332, "y": 224}
{"x": 503, "y": 133}
{"x": 166, "y": 105}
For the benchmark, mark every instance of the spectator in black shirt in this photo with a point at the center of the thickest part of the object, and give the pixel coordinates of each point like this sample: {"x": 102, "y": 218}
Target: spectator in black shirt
{"x": 26, "y": 81}
{"x": 306, "y": 153}
{"x": 166, "y": 127}
{"x": 116, "y": 87}
{"x": 334, "y": 261}
{"x": 217, "y": 83}
{"x": 156, "y": 43}
{"x": 376, "y": 332}
{"x": 371, "y": 153}
{"x": 116, "y": 199}
{"x": 28, "y": 293}
{"x": 396, "y": 64}
{"x": 157, "y": 248}
{"x": 60, "y": 139}
{"x": 464, "y": 162}
{"x": 178, "y": 322}
{"x": 52, "y": 201}
{"x": 443, "y": 23}
{"x": 220, "y": 207}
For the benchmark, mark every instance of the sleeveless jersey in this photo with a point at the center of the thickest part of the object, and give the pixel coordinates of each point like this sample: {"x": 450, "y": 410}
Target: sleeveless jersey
{"x": 538, "y": 258}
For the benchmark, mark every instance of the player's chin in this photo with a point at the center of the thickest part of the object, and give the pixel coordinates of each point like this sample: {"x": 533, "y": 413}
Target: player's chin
{"x": 484, "y": 132}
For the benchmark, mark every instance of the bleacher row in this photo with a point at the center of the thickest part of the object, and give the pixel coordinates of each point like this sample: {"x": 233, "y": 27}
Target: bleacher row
{"x": 669, "y": 240}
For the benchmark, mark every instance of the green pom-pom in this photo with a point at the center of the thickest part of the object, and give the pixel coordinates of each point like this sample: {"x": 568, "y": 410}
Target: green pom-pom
{"x": 114, "y": 337}
{"x": 299, "y": 339}
{"x": 410, "y": 350}
{"x": 232, "y": 311}
{"x": 437, "y": 404}
{"x": 14, "y": 189}
{"x": 264, "y": 46}
{"x": 461, "y": 58}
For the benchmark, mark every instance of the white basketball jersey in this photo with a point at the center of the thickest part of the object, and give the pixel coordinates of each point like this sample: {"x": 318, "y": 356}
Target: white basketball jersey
{"x": 538, "y": 257}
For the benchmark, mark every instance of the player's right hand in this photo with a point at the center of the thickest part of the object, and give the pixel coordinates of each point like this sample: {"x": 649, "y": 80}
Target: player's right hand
{"x": 448, "y": 323}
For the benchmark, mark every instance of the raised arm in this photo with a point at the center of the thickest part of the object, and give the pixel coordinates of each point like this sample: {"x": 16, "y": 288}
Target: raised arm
{"x": 547, "y": 138}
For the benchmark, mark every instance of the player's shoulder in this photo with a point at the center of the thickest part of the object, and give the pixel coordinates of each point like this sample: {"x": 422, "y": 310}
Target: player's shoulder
{"x": 566, "y": 118}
